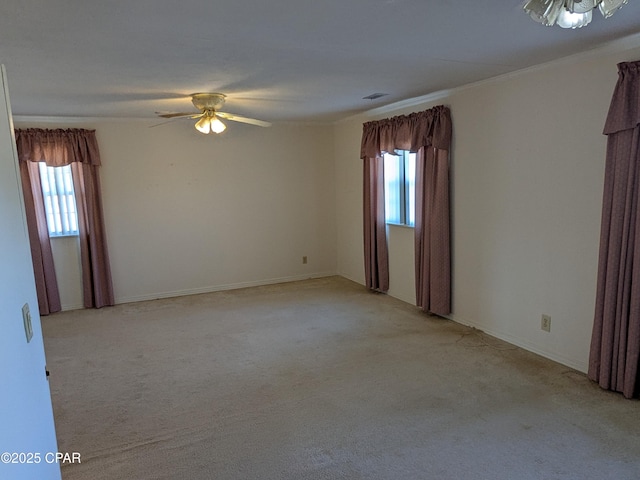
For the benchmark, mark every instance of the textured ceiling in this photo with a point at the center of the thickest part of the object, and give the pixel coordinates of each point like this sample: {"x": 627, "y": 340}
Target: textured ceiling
{"x": 278, "y": 60}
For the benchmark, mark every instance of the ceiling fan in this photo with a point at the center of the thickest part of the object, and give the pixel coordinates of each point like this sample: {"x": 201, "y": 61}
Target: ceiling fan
{"x": 208, "y": 104}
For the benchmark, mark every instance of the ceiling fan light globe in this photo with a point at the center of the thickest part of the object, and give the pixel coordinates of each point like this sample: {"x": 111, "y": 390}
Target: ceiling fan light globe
{"x": 204, "y": 125}
{"x": 609, "y": 7}
{"x": 537, "y": 8}
{"x": 574, "y": 20}
{"x": 217, "y": 126}
{"x": 544, "y": 11}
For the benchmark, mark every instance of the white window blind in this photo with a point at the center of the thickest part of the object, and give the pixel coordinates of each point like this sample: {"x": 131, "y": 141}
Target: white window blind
{"x": 59, "y": 200}
{"x": 400, "y": 188}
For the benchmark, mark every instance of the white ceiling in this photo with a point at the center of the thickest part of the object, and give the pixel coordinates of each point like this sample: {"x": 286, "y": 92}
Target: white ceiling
{"x": 277, "y": 60}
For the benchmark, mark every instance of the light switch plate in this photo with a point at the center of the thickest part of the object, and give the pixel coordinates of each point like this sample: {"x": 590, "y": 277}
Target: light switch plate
{"x": 26, "y": 319}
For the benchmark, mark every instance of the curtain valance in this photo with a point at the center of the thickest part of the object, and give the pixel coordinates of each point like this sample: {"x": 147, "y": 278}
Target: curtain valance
{"x": 430, "y": 128}
{"x": 624, "y": 111}
{"x": 58, "y": 147}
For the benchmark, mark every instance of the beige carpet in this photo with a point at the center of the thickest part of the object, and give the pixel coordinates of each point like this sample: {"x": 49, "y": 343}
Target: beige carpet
{"x": 320, "y": 380}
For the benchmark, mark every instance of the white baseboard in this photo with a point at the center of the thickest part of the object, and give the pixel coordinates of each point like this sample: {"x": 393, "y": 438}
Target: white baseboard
{"x": 356, "y": 280}
{"x": 66, "y": 308}
{"x": 220, "y": 288}
{"x": 519, "y": 342}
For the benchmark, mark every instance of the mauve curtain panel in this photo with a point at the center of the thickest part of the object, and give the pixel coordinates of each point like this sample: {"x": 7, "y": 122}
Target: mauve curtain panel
{"x": 376, "y": 256}
{"x": 615, "y": 342}
{"x": 432, "y": 231}
{"x": 41, "y": 255}
{"x": 427, "y": 133}
{"x": 79, "y": 148}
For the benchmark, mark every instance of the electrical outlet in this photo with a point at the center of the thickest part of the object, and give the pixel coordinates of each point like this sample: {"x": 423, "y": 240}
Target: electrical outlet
{"x": 545, "y": 323}
{"x": 304, "y": 259}
{"x": 26, "y": 320}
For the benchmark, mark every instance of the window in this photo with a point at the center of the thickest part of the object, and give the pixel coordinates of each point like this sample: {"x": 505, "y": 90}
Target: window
{"x": 400, "y": 188}
{"x": 59, "y": 200}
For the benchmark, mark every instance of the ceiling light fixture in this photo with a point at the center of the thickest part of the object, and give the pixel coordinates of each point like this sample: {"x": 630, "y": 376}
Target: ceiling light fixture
{"x": 210, "y": 123}
{"x": 570, "y": 13}
{"x": 210, "y": 115}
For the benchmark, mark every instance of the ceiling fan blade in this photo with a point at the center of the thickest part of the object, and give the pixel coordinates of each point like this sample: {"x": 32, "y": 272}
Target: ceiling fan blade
{"x": 174, "y": 118}
{"x": 181, "y": 114}
{"x": 238, "y": 118}
{"x": 162, "y": 123}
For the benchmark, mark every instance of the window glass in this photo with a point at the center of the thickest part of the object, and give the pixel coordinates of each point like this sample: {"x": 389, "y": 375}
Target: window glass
{"x": 400, "y": 188}
{"x": 59, "y": 200}
{"x": 391, "y": 190}
{"x": 410, "y": 179}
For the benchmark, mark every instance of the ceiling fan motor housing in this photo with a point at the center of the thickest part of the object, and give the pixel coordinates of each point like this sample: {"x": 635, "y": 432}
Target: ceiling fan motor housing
{"x": 207, "y": 101}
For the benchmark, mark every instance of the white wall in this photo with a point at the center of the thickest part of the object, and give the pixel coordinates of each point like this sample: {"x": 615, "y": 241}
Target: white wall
{"x": 188, "y": 213}
{"x": 26, "y": 416}
{"x": 348, "y": 181}
{"x": 527, "y": 178}
{"x": 66, "y": 257}
{"x": 402, "y": 280}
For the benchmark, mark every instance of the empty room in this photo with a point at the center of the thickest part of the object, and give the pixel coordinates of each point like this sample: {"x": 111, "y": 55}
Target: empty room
{"x": 341, "y": 240}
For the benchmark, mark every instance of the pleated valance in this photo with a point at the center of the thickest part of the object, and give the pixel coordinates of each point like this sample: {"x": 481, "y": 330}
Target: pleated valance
{"x": 430, "y": 128}
{"x": 58, "y": 147}
{"x": 624, "y": 111}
